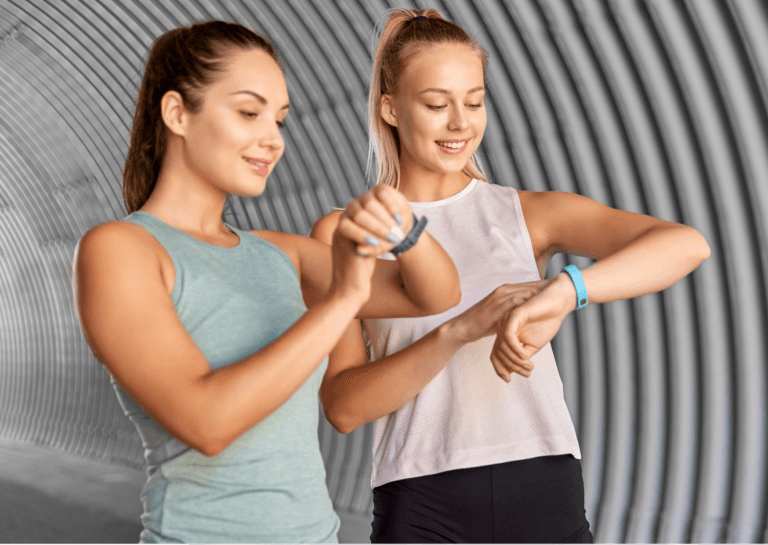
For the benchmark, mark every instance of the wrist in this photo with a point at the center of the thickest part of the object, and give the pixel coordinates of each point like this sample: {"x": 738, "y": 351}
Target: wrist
{"x": 412, "y": 236}
{"x": 453, "y": 333}
{"x": 348, "y": 297}
{"x": 566, "y": 292}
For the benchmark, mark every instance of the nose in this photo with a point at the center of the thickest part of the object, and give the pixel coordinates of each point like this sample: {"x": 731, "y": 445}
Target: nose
{"x": 271, "y": 137}
{"x": 458, "y": 120}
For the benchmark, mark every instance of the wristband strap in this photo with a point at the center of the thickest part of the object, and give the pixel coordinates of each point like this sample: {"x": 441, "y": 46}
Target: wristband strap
{"x": 412, "y": 236}
{"x": 581, "y": 289}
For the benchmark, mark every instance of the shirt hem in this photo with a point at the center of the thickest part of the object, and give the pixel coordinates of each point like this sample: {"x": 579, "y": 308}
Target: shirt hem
{"x": 431, "y": 463}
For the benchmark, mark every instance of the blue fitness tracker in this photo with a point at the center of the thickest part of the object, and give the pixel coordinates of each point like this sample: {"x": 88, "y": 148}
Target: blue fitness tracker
{"x": 578, "y": 282}
{"x": 412, "y": 236}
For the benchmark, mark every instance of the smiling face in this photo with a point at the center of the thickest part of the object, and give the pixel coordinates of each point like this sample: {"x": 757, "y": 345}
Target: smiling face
{"x": 438, "y": 109}
{"x": 234, "y": 140}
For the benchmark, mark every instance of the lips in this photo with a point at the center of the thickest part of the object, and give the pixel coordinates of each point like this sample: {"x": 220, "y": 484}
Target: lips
{"x": 261, "y": 166}
{"x": 452, "y": 147}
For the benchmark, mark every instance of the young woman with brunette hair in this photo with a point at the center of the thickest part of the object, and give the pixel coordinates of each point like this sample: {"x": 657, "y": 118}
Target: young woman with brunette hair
{"x": 472, "y": 437}
{"x": 203, "y": 327}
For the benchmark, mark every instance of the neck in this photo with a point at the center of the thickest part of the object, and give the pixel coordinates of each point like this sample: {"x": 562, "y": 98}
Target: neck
{"x": 183, "y": 199}
{"x": 420, "y": 184}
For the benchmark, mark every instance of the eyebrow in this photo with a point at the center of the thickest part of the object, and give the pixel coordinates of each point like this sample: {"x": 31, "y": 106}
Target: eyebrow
{"x": 258, "y": 97}
{"x": 447, "y": 92}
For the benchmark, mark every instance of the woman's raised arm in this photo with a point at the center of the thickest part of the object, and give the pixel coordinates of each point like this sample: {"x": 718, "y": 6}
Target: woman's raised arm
{"x": 421, "y": 281}
{"x": 636, "y": 255}
{"x": 125, "y": 310}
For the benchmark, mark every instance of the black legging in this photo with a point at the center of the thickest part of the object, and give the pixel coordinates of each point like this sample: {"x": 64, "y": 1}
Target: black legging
{"x": 539, "y": 500}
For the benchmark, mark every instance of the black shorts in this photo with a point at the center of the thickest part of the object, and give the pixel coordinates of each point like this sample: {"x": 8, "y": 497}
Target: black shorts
{"x": 539, "y": 500}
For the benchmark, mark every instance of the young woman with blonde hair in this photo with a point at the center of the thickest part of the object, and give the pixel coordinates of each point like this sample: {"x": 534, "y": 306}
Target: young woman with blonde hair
{"x": 472, "y": 437}
{"x": 203, "y": 326}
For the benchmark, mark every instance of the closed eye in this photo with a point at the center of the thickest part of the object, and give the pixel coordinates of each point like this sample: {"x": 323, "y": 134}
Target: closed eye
{"x": 474, "y": 106}
{"x": 248, "y": 115}
{"x": 436, "y": 108}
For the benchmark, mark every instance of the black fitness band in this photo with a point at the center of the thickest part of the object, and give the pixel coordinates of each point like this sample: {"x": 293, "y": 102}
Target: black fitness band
{"x": 412, "y": 236}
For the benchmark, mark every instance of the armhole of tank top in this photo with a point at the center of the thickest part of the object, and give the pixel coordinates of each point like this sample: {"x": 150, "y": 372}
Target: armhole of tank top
{"x": 524, "y": 231}
{"x": 175, "y": 295}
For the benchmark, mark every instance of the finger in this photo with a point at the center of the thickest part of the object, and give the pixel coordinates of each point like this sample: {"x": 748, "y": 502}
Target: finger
{"x": 509, "y": 358}
{"x": 510, "y": 338}
{"x": 364, "y": 230}
{"x": 387, "y": 233}
{"x": 512, "y": 362}
{"x": 376, "y": 208}
{"x": 396, "y": 204}
{"x": 508, "y": 366}
{"x": 500, "y": 369}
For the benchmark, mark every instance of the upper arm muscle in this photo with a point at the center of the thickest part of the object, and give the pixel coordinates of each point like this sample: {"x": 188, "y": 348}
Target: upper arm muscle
{"x": 561, "y": 222}
{"x": 130, "y": 323}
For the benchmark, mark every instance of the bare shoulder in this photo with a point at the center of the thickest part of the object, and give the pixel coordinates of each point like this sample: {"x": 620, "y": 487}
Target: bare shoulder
{"x": 325, "y": 226}
{"x": 548, "y": 209}
{"x": 116, "y": 242}
{"x": 540, "y": 201}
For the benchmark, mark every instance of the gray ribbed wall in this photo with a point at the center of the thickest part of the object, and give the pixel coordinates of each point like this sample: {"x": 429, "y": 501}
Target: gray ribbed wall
{"x": 655, "y": 106}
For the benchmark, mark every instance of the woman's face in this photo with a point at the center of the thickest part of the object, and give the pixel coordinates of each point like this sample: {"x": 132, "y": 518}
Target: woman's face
{"x": 234, "y": 141}
{"x": 438, "y": 108}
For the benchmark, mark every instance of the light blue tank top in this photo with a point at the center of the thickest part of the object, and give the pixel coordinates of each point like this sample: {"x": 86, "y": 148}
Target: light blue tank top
{"x": 268, "y": 486}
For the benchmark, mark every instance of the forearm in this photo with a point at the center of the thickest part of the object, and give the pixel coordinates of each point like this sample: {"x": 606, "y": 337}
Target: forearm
{"x": 429, "y": 276}
{"x": 653, "y": 262}
{"x": 361, "y": 394}
{"x": 246, "y": 392}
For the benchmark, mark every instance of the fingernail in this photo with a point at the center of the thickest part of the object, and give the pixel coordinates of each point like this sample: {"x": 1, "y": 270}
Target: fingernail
{"x": 398, "y": 218}
{"x": 371, "y": 240}
{"x": 391, "y": 237}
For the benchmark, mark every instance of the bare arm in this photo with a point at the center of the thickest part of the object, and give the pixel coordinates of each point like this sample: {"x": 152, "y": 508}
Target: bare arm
{"x": 129, "y": 321}
{"x": 422, "y": 281}
{"x": 355, "y": 392}
{"x": 636, "y": 255}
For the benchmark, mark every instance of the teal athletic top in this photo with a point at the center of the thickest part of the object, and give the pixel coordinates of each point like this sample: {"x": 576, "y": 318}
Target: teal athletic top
{"x": 268, "y": 486}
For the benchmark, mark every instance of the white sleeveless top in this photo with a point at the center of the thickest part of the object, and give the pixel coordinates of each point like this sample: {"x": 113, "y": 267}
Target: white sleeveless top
{"x": 467, "y": 416}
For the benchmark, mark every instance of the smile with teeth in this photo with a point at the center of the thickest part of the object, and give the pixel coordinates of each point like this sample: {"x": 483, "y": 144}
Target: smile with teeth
{"x": 454, "y": 145}
{"x": 259, "y": 165}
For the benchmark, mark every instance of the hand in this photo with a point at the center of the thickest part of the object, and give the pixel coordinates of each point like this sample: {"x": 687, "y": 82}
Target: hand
{"x": 527, "y": 328}
{"x": 351, "y": 271}
{"x": 372, "y": 220}
{"x": 481, "y": 319}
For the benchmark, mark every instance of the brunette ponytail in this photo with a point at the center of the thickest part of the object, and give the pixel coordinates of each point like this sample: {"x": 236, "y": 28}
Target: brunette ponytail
{"x": 405, "y": 32}
{"x": 186, "y": 60}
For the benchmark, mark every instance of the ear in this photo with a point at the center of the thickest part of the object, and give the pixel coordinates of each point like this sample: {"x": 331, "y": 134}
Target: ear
{"x": 388, "y": 111}
{"x": 175, "y": 114}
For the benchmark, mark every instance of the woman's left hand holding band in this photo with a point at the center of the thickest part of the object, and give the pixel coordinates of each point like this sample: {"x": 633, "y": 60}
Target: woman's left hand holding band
{"x": 379, "y": 220}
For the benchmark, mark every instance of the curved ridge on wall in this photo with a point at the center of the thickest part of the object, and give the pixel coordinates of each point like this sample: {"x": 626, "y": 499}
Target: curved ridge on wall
{"x": 651, "y": 106}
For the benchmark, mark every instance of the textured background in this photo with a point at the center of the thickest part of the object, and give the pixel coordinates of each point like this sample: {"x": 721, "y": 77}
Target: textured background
{"x": 654, "y": 106}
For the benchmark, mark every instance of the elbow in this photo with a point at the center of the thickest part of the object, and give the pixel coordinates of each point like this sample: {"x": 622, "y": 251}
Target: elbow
{"x": 452, "y": 299}
{"x": 211, "y": 449}
{"x": 705, "y": 250}
{"x": 341, "y": 421}
{"x": 210, "y": 437}
{"x": 208, "y": 444}
{"x": 449, "y": 299}
{"x": 699, "y": 247}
